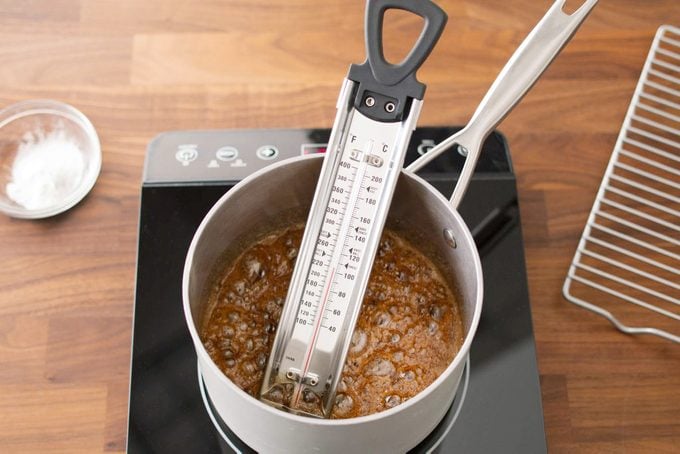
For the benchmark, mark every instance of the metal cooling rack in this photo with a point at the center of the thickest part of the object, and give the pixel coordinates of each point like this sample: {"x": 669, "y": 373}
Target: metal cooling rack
{"x": 627, "y": 264}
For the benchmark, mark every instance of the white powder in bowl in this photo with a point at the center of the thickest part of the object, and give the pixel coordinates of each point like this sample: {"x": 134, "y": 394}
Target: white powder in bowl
{"x": 46, "y": 170}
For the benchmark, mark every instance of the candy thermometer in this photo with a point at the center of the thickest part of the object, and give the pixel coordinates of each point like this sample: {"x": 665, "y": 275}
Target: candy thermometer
{"x": 377, "y": 111}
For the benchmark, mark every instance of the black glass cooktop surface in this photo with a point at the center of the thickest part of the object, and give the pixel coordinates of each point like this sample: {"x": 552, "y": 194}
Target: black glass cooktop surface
{"x": 186, "y": 172}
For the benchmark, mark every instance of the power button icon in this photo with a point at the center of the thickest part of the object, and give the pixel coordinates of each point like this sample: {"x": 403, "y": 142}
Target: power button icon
{"x": 186, "y": 154}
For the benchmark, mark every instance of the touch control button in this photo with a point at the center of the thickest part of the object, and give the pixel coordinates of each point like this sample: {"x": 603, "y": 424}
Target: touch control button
{"x": 226, "y": 154}
{"x": 267, "y": 152}
{"x": 186, "y": 153}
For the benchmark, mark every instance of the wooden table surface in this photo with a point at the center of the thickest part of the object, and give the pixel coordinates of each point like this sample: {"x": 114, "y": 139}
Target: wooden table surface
{"x": 137, "y": 68}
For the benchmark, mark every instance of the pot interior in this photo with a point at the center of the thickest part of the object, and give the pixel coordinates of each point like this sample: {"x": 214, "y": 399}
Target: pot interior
{"x": 282, "y": 195}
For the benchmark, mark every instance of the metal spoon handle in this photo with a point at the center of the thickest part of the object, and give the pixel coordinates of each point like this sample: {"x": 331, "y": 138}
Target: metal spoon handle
{"x": 523, "y": 69}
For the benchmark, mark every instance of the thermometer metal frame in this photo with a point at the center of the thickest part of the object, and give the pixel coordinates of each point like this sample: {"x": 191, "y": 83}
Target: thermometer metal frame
{"x": 309, "y": 358}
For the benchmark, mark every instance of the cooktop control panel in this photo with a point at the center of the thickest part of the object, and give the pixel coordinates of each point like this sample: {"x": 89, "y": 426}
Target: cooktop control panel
{"x": 233, "y": 154}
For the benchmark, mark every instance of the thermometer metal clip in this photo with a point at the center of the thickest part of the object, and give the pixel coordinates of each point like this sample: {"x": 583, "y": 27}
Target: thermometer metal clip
{"x": 377, "y": 110}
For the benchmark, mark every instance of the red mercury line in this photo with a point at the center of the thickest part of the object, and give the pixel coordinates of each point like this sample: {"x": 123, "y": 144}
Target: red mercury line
{"x": 316, "y": 333}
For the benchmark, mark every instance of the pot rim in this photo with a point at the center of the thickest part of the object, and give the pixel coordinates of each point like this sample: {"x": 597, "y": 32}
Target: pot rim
{"x": 202, "y": 352}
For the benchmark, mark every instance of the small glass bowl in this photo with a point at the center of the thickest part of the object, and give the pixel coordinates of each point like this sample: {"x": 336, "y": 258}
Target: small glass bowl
{"x": 29, "y": 123}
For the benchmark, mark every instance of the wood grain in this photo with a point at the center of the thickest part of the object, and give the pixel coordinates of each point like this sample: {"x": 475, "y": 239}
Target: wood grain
{"x": 137, "y": 68}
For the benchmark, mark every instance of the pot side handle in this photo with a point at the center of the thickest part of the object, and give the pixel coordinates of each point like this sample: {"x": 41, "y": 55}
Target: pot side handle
{"x": 523, "y": 69}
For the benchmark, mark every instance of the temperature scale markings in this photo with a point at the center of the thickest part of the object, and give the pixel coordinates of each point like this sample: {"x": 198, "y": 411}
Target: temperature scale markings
{"x": 330, "y": 235}
{"x": 314, "y": 335}
{"x": 331, "y": 282}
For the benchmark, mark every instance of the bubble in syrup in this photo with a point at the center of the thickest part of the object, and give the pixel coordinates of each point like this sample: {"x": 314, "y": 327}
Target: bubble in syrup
{"x": 243, "y": 326}
{"x": 359, "y": 341}
{"x": 386, "y": 245}
{"x": 398, "y": 356}
{"x": 250, "y": 345}
{"x": 392, "y": 401}
{"x": 395, "y": 338}
{"x": 292, "y": 253}
{"x": 343, "y": 403}
{"x": 382, "y": 320}
{"x": 342, "y": 386}
{"x": 381, "y": 368}
{"x": 228, "y": 354}
{"x": 225, "y": 344}
{"x": 233, "y": 316}
{"x": 309, "y": 396}
{"x": 436, "y": 312}
{"x": 272, "y": 307}
{"x": 209, "y": 345}
{"x": 249, "y": 368}
{"x": 275, "y": 394}
{"x": 261, "y": 361}
{"x": 394, "y": 310}
{"x": 240, "y": 287}
{"x": 253, "y": 268}
{"x": 230, "y": 363}
{"x": 432, "y": 327}
{"x": 283, "y": 268}
{"x": 409, "y": 375}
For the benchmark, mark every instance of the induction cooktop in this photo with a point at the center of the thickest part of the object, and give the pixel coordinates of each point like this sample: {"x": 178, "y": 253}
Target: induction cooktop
{"x": 186, "y": 172}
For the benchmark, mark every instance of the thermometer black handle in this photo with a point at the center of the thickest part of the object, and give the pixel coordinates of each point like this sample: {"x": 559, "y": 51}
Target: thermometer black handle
{"x": 385, "y": 89}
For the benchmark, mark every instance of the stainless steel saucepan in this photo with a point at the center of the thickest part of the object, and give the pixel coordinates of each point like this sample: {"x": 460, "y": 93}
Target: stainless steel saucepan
{"x": 282, "y": 194}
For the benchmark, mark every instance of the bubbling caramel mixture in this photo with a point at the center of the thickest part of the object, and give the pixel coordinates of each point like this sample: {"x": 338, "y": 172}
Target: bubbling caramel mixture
{"x": 408, "y": 331}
